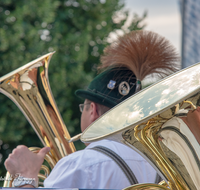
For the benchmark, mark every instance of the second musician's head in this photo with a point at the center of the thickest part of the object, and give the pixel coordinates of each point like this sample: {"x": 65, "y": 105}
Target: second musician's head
{"x": 124, "y": 64}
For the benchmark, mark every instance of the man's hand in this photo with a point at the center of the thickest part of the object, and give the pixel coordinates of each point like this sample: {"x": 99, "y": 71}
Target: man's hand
{"x": 24, "y": 162}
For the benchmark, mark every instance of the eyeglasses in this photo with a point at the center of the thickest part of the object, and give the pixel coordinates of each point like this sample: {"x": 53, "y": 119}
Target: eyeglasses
{"x": 81, "y": 106}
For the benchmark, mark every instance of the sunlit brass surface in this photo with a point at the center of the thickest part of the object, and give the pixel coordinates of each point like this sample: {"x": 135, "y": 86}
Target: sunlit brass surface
{"x": 147, "y": 186}
{"x": 28, "y": 87}
{"x": 8, "y": 180}
{"x": 137, "y": 122}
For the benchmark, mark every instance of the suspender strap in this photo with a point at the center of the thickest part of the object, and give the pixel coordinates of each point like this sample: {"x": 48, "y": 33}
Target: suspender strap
{"x": 158, "y": 178}
{"x": 120, "y": 162}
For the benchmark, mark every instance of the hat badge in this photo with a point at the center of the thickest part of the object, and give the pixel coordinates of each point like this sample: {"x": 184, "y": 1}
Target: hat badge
{"x": 124, "y": 88}
{"x": 111, "y": 84}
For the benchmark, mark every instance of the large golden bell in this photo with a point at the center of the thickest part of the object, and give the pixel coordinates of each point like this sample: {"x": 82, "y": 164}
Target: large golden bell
{"x": 28, "y": 87}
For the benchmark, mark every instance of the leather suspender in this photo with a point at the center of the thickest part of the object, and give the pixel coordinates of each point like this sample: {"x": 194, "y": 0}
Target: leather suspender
{"x": 120, "y": 162}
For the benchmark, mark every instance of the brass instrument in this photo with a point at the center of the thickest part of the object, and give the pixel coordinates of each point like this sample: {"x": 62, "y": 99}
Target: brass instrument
{"x": 28, "y": 87}
{"x": 140, "y": 125}
{"x": 139, "y": 122}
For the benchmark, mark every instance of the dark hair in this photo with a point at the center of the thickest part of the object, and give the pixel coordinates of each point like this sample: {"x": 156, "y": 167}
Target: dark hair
{"x": 101, "y": 108}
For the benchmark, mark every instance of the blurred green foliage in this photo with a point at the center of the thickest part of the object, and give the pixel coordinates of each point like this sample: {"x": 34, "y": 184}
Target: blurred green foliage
{"x": 78, "y": 30}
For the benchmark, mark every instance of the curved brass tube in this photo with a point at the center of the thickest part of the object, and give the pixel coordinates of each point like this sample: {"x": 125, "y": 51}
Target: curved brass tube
{"x": 28, "y": 87}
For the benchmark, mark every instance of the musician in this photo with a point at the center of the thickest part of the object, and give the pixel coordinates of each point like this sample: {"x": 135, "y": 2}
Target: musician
{"x": 125, "y": 64}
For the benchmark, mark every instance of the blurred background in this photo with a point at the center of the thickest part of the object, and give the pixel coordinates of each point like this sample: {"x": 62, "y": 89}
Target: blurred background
{"x": 78, "y": 30}
{"x": 163, "y": 17}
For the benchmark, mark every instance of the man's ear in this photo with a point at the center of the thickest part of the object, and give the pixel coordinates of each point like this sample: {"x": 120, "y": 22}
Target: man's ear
{"x": 94, "y": 111}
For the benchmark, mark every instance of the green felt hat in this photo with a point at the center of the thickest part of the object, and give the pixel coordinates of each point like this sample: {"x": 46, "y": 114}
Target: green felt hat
{"x": 110, "y": 87}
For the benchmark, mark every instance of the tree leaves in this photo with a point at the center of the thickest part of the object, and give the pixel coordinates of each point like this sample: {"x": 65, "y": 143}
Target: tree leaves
{"x": 77, "y": 31}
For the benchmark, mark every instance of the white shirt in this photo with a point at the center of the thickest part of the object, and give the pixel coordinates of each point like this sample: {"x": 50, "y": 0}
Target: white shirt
{"x": 90, "y": 169}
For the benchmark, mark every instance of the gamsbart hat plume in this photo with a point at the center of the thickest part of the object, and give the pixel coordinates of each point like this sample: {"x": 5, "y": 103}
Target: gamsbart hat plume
{"x": 126, "y": 62}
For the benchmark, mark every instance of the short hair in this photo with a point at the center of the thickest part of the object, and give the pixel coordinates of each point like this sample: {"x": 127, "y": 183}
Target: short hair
{"x": 101, "y": 108}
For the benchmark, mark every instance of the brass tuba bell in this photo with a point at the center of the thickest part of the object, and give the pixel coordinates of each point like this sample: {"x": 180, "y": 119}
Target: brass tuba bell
{"x": 146, "y": 122}
{"x": 28, "y": 87}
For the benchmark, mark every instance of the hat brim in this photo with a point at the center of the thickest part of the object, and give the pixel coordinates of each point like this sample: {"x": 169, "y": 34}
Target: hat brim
{"x": 95, "y": 97}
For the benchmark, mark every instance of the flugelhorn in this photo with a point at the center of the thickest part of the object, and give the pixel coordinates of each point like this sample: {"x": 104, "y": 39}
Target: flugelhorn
{"x": 28, "y": 87}
{"x": 144, "y": 122}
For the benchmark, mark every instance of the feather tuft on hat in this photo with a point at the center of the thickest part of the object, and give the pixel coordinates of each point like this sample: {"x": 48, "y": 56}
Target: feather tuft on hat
{"x": 126, "y": 62}
{"x": 143, "y": 52}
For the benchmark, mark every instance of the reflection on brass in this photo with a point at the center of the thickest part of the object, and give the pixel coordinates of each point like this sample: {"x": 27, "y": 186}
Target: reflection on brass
{"x": 147, "y": 186}
{"x": 163, "y": 183}
{"x": 193, "y": 107}
{"x": 75, "y": 138}
{"x": 152, "y": 123}
{"x": 149, "y": 138}
{"x": 28, "y": 87}
{"x": 8, "y": 181}
{"x": 166, "y": 161}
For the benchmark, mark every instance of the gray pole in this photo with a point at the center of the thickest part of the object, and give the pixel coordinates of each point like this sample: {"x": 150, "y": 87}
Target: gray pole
{"x": 183, "y": 34}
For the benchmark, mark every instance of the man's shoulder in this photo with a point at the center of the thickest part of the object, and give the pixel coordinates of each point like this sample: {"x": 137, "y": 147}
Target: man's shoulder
{"x": 119, "y": 148}
{"x": 84, "y": 158}
{"x": 88, "y": 156}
